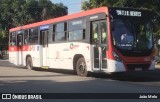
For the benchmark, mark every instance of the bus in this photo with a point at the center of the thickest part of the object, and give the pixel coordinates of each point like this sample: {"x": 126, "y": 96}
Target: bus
{"x": 105, "y": 39}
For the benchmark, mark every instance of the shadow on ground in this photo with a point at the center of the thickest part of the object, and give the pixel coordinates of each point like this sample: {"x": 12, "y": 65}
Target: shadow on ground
{"x": 6, "y": 63}
{"x": 143, "y": 76}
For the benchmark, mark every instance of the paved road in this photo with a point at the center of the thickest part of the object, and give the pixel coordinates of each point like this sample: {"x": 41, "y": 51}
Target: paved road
{"x": 21, "y": 80}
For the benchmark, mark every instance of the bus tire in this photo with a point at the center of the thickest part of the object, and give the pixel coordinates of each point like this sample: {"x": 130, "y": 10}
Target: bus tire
{"x": 29, "y": 64}
{"x": 81, "y": 67}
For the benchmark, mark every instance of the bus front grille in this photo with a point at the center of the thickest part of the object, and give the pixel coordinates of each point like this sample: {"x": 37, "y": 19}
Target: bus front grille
{"x": 133, "y": 67}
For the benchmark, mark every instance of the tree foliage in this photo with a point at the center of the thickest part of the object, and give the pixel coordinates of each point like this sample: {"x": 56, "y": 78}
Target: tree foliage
{"x": 153, "y": 5}
{"x": 20, "y": 12}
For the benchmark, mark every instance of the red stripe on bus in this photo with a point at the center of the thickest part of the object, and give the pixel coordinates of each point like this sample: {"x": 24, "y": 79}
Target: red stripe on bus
{"x": 16, "y": 48}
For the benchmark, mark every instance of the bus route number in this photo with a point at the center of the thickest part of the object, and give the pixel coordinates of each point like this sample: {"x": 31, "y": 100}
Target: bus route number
{"x": 32, "y": 48}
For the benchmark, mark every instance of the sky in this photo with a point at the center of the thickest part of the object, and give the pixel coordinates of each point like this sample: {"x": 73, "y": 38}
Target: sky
{"x": 74, "y": 6}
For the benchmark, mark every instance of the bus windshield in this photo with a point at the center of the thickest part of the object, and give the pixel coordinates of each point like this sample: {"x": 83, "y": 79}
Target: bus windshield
{"x": 132, "y": 34}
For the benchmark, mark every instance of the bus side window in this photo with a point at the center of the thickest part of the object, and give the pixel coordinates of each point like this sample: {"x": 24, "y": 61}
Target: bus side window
{"x": 33, "y": 36}
{"x": 50, "y": 36}
{"x": 77, "y": 35}
{"x": 95, "y": 37}
{"x": 103, "y": 32}
{"x": 20, "y": 37}
{"x": 77, "y": 29}
{"x": 26, "y": 38}
{"x": 19, "y": 40}
{"x": 60, "y": 34}
{"x": 12, "y": 38}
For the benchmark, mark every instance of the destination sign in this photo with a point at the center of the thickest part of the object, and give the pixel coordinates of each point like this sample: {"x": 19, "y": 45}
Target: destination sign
{"x": 94, "y": 17}
{"x": 44, "y": 27}
{"x": 77, "y": 22}
{"x": 128, "y": 13}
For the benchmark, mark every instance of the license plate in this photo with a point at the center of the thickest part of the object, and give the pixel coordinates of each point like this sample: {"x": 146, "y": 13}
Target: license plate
{"x": 138, "y": 69}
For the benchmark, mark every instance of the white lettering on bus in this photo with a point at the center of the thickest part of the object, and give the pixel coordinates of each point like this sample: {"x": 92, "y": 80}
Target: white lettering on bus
{"x": 76, "y": 22}
{"x": 122, "y": 12}
{"x": 31, "y": 48}
{"x": 128, "y": 13}
{"x": 93, "y": 17}
{"x": 44, "y": 27}
{"x": 135, "y": 13}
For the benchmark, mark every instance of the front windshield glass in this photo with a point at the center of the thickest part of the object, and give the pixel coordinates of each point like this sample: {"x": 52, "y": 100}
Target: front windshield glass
{"x": 129, "y": 34}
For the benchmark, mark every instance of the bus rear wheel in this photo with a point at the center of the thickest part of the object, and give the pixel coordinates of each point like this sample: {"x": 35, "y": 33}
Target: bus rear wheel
{"x": 81, "y": 67}
{"x": 29, "y": 63}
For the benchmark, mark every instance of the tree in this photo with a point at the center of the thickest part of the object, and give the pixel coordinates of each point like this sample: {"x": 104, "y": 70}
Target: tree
{"x": 20, "y": 12}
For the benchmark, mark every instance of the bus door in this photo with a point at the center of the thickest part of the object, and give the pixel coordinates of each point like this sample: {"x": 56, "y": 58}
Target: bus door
{"x": 20, "y": 48}
{"x": 99, "y": 41}
{"x": 44, "y": 43}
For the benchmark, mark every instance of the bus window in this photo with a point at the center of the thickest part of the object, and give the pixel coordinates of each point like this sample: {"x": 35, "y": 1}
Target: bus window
{"x": 77, "y": 24}
{"x": 59, "y": 33}
{"x": 103, "y": 32}
{"x": 33, "y": 36}
{"x": 20, "y": 38}
{"x": 95, "y": 33}
{"x": 77, "y": 29}
{"x": 26, "y": 38}
{"x": 59, "y": 36}
{"x": 76, "y": 35}
{"x": 49, "y": 37}
{"x": 13, "y": 38}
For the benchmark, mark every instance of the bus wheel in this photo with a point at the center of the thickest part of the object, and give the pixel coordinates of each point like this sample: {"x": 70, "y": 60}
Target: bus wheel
{"x": 29, "y": 63}
{"x": 81, "y": 67}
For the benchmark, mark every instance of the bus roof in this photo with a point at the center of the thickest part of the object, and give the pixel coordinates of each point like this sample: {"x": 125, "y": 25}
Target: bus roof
{"x": 63, "y": 18}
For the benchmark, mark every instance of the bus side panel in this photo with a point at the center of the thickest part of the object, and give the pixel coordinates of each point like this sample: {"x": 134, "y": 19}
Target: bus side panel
{"x": 62, "y": 54}
{"x": 115, "y": 66}
{"x": 34, "y": 52}
{"x": 13, "y": 57}
{"x": 53, "y": 55}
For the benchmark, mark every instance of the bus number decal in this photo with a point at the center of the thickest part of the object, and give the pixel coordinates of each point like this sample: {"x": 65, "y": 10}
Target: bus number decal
{"x": 32, "y": 48}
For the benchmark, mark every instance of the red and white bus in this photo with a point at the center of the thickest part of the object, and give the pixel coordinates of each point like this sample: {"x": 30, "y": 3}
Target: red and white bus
{"x": 99, "y": 40}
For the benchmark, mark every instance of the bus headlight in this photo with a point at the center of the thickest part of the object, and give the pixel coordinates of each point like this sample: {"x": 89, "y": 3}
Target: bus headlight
{"x": 117, "y": 58}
